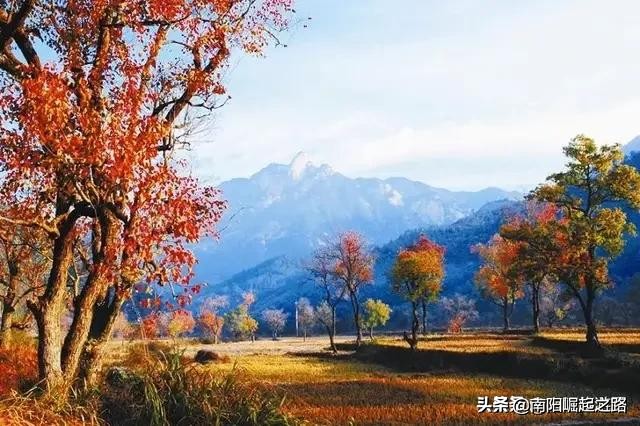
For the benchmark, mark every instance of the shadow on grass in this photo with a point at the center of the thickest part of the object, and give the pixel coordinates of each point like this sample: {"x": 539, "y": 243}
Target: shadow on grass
{"x": 613, "y": 370}
{"x": 577, "y": 347}
{"x": 353, "y": 393}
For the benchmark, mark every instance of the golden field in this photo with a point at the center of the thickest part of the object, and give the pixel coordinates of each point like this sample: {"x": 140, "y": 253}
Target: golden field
{"x": 323, "y": 389}
{"x": 318, "y": 387}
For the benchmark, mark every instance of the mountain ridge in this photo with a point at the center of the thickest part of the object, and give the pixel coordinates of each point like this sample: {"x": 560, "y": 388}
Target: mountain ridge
{"x": 287, "y": 209}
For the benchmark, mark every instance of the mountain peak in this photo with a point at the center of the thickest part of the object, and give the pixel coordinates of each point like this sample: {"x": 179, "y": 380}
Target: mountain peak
{"x": 299, "y": 165}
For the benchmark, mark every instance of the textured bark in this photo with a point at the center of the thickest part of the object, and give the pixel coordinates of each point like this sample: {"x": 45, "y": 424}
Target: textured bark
{"x": 94, "y": 289}
{"x": 104, "y": 319}
{"x": 47, "y": 311}
{"x": 7, "y": 322}
{"x": 9, "y": 304}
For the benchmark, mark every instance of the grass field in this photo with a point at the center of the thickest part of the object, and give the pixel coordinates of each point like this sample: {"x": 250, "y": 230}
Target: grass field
{"x": 384, "y": 383}
{"x": 320, "y": 388}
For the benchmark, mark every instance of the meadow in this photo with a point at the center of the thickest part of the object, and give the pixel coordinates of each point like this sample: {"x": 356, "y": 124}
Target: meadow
{"x": 384, "y": 383}
{"x": 321, "y": 388}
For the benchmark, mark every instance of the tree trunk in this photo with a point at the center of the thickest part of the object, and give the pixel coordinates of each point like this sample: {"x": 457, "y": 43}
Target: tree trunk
{"x": 8, "y": 310}
{"x": 104, "y": 319}
{"x": 413, "y": 340}
{"x": 505, "y": 316}
{"x": 592, "y": 334}
{"x": 424, "y": 317}
{"x": 95, "y": 293}
{"x": 535, "y": 303}
{"x": 48, "y": 318}
{"x": 371, "y": 333}
{"x": 356, "y": 319}
{"x": 47, "y": 311}
{"x": 332, "y": 330}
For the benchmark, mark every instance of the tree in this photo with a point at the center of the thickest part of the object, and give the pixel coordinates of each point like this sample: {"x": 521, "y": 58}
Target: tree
{"x": 376, "y": 314}
{"x": 416, "y": 275}
{"x": 496, "y": 278}
{"x": 180, "y": 322}
{"x": 353, "y": 268}
{"x": 23, "y": 265}
{"x": 122, "y": 328}
{"x": 276, "y": 319}
{"x": 210, "y": 321}
{"x": 240, "y": 321}
{"x": 95, "y": 98}
{"x": 150, "y": 326}
{"x": 461, "y": 309}
{"x": 211, "y": 324}
{"x": 555, "y": 304}
{"x": 326, "y": 316}
{"x": 306, "y": 316}
{"x": 534, "y": 234}
{"x": 322, "y": 269}
{"x": 592, "y": 228}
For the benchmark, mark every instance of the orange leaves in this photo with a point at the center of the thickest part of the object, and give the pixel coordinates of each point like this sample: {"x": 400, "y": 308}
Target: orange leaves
{"x": 180, "y": 322}
{"x": 498, "y": 277}
{"x": 211, "y": 323}
{"x": 168, "y": 10}
{"x": 418, "y": 270}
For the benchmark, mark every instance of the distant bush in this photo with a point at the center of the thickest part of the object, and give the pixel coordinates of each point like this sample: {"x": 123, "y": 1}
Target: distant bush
{"x": 173, "y": 391}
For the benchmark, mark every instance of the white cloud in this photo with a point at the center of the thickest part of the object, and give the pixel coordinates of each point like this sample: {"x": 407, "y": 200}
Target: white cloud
{"x": 477, "y": 96}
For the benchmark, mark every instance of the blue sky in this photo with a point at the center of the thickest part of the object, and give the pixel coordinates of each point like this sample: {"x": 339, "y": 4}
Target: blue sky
{"x": 459, "y": 94}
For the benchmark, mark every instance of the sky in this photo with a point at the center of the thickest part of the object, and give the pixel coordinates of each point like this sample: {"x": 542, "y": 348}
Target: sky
{"x": 457, "y": 94}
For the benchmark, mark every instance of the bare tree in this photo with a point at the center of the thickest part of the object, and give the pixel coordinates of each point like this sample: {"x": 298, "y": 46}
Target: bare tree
{"x": 276, "y": 319}
{"x": 322, "y": 270}
{"x": 306, "y": 316}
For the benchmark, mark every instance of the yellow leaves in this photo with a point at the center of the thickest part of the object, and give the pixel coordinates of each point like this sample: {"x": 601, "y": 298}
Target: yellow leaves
{"x": 418, "y": 270}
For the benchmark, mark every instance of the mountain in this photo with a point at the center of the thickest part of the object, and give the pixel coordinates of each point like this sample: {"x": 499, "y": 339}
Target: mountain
{"x": 286, "y": 210}
{"x": 280, "y": 281}
{"x": 632, "y": 146}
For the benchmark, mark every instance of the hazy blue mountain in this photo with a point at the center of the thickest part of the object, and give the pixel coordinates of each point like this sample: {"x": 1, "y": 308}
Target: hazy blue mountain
{"x": 280, "y": 281}
{"x": 632, "y": 146}
{"x": 285, "y": 210}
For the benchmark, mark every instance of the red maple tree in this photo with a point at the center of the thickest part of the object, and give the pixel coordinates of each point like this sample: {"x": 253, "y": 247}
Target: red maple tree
{"x": 94, "y": 99}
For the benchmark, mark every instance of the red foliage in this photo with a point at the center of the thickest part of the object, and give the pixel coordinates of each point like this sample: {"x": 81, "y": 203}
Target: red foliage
{"x": 354, "y": 263}
{"x": 455, "y": 324}
{"x": 150, "y": 326}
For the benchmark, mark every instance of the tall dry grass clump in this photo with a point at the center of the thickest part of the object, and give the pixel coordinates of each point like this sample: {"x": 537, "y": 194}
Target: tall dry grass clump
{"x": 162, "y": 388}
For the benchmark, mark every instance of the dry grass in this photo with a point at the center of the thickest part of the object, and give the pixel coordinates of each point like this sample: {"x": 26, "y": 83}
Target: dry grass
{"x": 339, "y": 391}
{"x": 324, "y": 389}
